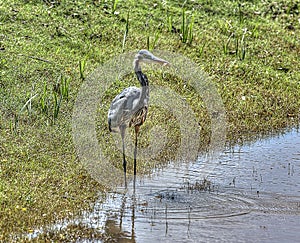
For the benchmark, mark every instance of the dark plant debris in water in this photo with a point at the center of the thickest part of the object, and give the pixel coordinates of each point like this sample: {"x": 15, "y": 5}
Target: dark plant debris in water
{"x": 188, "y": 187}
{"x": 200, "y": 185}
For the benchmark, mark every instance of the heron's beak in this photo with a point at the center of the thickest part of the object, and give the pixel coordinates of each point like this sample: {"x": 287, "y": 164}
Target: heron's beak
{"x": 160, "y": 61}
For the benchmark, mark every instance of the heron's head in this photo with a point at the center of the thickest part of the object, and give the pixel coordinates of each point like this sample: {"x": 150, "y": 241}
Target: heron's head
{"x": 147, "y": 57}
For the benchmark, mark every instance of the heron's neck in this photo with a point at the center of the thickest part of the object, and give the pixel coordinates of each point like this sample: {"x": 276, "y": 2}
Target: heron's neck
{"x": 138, "y": 71}
{"x": 136, "y": 65}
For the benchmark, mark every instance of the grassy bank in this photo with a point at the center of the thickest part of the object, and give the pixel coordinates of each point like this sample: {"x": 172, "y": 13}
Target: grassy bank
{"x": 47, "y": 48}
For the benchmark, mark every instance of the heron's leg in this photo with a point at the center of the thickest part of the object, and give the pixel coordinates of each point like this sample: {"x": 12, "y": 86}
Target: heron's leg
{"x": 122, "y": 130}
{"x": 137, "y": 128}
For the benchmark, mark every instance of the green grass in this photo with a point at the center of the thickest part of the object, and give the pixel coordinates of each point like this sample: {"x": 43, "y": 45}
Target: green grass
{"x": 250, "y": 49}
{"x": 186, "y": 28}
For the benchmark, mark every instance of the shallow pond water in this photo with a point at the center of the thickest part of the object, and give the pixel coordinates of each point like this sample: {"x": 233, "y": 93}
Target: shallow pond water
{"x": 252, "y": 194}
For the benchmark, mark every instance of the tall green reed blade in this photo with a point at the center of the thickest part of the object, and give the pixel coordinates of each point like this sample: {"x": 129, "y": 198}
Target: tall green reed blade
{"x": 170, "y": 26}
{"x": 237, "y": 47}
{"x": 226, "y": 44}
{"x": 14, "y": 124}
{"x": 114, "y": 5}
{"x": 151, "y": 45}
{"x": 190, "y": 34}
{"x": 183, "y": 27}
{"x": 242, "y": 53}
{"x": 64, "y": 87}
{"x": 82, "y": 64}
{"x": 148, "y": 42}
{"x": 155, "y": 40}
{"x": 240, "y": 13}
{"x": 56, "y": 104}
{"x": 44, "y": 101}
{"x": 202, "y": 49}
{"x": 125, "y": 33}
{"x": 186, "y": 28}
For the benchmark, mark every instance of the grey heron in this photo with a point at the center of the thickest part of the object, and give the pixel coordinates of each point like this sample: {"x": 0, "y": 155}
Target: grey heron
{"x": 130, "y": 107}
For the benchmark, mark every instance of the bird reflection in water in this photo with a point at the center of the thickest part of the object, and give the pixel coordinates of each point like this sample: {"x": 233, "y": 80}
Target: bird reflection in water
{"x": 114, "y": 225}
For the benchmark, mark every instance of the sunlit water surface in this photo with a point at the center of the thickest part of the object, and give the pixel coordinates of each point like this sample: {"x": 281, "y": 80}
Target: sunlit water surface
{"x": 252, "y": 195}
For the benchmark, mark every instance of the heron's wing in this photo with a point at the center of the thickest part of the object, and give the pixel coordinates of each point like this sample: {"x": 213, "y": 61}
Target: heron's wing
{"x": 139, "y": 117}
{"x": 124, "y": 106}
